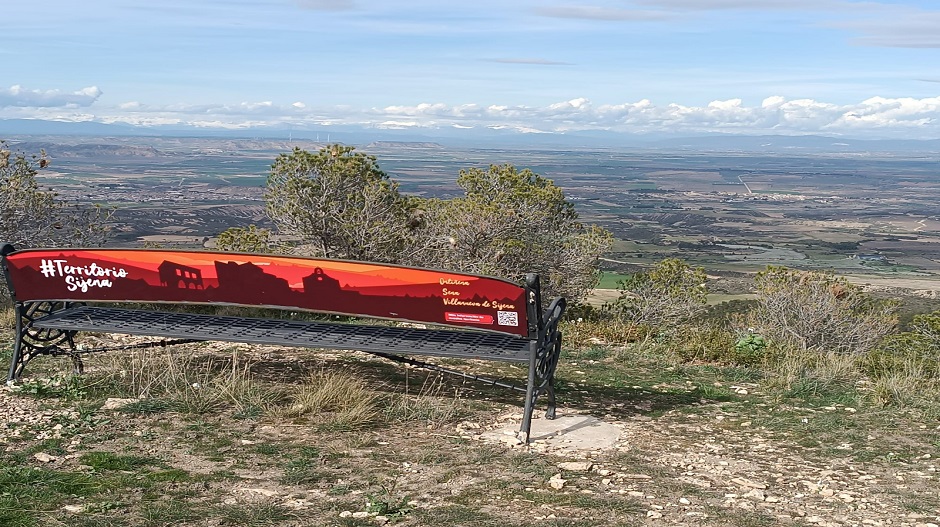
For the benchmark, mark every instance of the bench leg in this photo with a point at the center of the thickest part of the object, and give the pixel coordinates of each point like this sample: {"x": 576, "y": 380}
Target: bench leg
{"x": 550, "y": 380}
{"x": 543, "y": 360}
{"x": 531, "y": 393}
{"x": 31, "y": 342}
{"x": 16, "y": 363}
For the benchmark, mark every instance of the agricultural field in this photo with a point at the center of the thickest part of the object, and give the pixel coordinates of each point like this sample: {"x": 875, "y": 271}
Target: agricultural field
{"x": 870, "y": 217}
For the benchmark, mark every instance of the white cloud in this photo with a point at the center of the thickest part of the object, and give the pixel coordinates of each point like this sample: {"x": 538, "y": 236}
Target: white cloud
{"x": 18, "y": 96}
{"x": 872, "y": 117}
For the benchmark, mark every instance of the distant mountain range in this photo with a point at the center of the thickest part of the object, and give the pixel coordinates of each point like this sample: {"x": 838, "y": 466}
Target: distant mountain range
{"x": 487, "y": 137}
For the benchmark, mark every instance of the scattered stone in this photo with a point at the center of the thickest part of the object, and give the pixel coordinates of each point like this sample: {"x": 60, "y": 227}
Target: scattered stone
{"x": 576, "y": 466}
{"x": 345, "y": 514}
{"x": 635, "y": 476}
{"x": 114, "y": 403}
{"x": 43, "y": 457}
{"x": 654, "y": 514}
{"x": 381, "y": 520}
{"x": 556, "y": 482}
{"x": 360, "y": 515}
{"x": 74, "y": 509}
{"x": 685, "y": 501}
{"x": 748, "y": 483}
{"x": 755, "y": 494}
{"x": 264, "y": 492}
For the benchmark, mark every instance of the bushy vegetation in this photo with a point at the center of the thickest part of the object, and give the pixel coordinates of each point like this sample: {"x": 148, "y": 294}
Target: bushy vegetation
{"x": 806, "y": 334}
{"x": 905, "y": 368}
{"x": 818, "y": 313}
{"x": 338, "y": 203}
{"x": 668, "y": 296}
{"x": 508, "y": 223}
{"x": 31, "y": 216}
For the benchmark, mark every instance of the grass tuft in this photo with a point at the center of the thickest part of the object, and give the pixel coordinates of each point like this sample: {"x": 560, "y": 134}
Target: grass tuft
{"x": 430, "y": 405}
{"x": 333, "y": 400}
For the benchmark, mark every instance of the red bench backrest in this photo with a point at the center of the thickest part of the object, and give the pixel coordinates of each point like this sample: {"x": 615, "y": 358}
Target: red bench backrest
{"x": 329, "y": 286}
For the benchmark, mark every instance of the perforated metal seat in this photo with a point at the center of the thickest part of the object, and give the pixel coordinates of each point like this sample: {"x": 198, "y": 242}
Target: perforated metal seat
{"x": 381, "y": 339}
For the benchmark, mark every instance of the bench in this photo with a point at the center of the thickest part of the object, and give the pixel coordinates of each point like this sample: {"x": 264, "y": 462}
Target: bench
{"x": 59, "y": 292}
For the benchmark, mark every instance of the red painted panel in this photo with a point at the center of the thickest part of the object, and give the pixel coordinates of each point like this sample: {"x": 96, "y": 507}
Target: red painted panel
{"x": 333, "y": 286}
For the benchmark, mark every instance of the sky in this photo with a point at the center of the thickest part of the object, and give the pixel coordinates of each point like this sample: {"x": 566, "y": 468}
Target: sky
{"x": 848, "y": 68}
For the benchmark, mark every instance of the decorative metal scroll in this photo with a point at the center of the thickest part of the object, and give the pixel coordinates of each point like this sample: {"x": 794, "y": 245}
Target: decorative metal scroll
{"x": 549, "y": 350}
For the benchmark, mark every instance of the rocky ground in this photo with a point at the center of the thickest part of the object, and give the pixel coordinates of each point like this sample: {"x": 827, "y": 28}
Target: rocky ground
{"x": 659, "y": 453}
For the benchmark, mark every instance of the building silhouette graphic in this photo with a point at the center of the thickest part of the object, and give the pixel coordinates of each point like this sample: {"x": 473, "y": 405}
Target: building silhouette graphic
{"x": 180, "y": 276}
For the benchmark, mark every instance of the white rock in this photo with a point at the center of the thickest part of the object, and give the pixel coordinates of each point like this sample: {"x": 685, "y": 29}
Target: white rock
{"x": 556, "y": 482}
{"x": 685, "y": 501}
{"x": 755, "y": 494}
{"x": 43, "y": 457}
{"x": 748, "y": 483}
{"x": 345, "y": 514}
{"x": 113, "y": 403}
{"x": 74, "y": 508}
{"x": 654, "y": 514}
{"x": 381, "y": 520}
{"x": 360, "y": 515}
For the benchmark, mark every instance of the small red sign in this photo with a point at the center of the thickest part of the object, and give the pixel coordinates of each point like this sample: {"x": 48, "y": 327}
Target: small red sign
{"x": 468, "y": 318}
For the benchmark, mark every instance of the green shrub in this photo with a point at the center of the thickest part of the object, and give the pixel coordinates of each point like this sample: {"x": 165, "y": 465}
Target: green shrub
{"x": 664, "y": 298}
{"x": 819, "y": 313}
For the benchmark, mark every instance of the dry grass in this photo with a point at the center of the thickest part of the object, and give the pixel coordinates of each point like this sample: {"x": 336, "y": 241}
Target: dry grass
{"x": 334, "y": 400}
{"x": 800, "y": 374}
{"x": 7, "y": 319}
{"x": 909, "y": 385}
{"x": 191, "y": 383}
{"x": 431, "y": 405}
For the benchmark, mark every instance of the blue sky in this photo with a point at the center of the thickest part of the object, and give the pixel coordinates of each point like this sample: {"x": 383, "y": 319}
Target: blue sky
{"x": 839, "y": 67}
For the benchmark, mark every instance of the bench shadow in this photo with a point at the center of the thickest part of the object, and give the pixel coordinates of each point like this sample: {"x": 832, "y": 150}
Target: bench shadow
{"x": 390, "y": 378}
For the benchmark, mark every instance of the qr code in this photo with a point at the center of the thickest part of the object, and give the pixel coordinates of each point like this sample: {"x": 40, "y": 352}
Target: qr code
{"x": 507, "y": 318}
